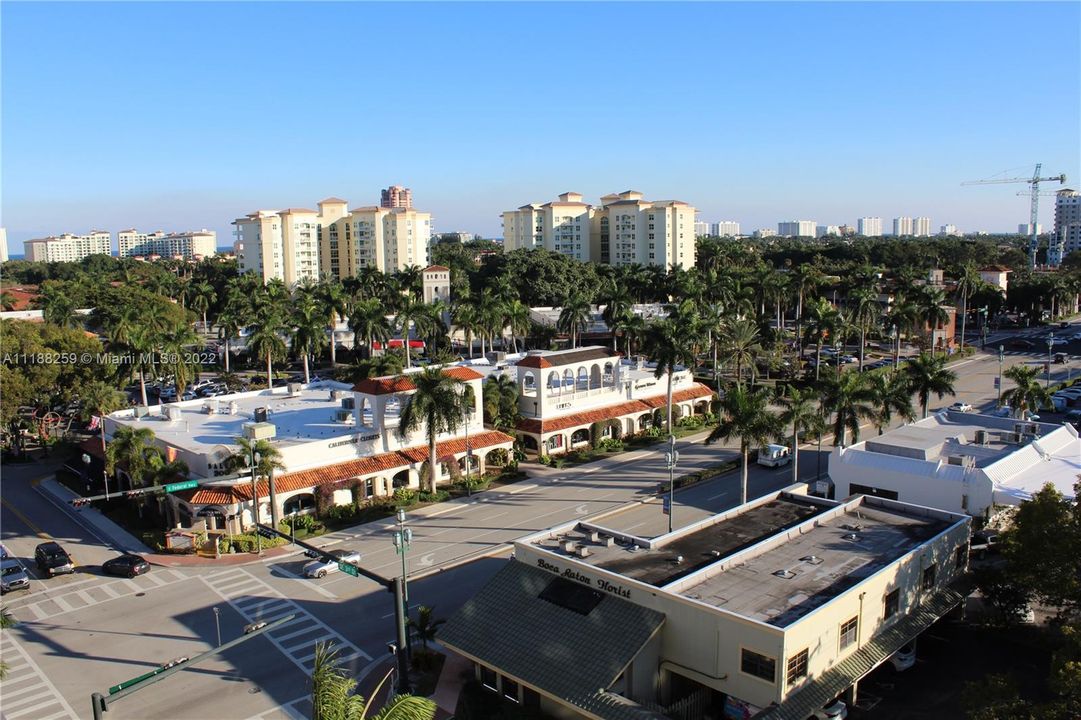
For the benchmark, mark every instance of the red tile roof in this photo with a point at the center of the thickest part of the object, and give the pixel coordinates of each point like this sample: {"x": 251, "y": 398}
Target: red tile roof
{"x": 589, "y": 417}
{"x": 330, "y": 474}
{"x": 402, "y": 383}
{"x": 436, "y": 268}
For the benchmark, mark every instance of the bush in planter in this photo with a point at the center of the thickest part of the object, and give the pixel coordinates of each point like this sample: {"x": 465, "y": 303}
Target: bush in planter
{"x": 405, "y": 496}
{"x": 437, "y": 496}
{"x": 610, "y": 445}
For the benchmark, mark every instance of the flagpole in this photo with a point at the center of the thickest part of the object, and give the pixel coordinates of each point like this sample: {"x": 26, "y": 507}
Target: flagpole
{"x": 104, "y": 469}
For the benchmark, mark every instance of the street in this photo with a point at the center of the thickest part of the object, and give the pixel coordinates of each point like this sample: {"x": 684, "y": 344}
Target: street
{"x": 85, "y": 632}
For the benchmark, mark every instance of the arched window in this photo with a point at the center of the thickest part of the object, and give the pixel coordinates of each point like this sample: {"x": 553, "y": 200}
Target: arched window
{"x": 580, "y": 436}
{"x": 305, "y": 502}
{"x": 553, "y": 380}
{"x": 583, "y": 379}
{"x": 644, "y": 421}
{"x": 529, "y": 384}
{"x": 568, "y": 379}
{"x": 595, "y": 377}
{"x": 401, "y": 480}
{"x": 608, "y": 378}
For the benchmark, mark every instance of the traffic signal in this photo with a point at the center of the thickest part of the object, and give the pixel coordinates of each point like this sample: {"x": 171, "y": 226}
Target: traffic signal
{"x": 131, "y": 494}
{"x": 79, "y": 502}
{"x": 265, "y": 531}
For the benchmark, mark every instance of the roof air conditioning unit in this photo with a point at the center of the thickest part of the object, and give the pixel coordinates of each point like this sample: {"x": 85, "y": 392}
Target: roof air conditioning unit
{"x": 259, "y": 415}
{"x": 348, "y": 403}
{"x": 965, "y": 461}
{"x": 294, "y": 389}
{"x": 981, "y": 437}
{"x": 344, "y": 416}
{"x": 141, "y": 411}
{"x": 173, "y": 413}
{"x": 1014, "y": 437}
{"x": 1031, "y": 429}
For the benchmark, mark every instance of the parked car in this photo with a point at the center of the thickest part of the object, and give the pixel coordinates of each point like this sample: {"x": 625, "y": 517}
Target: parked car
{"x": 201, "y": 384}
{"x": 1055, "y": 341}
{"x": 836, "y": 711}
{"x": 905, "y": 657}
{"x": 167, "y": 394}
{"x": 212, "y": 389}
{"x": 4, "y": 554}
{"x": 13, "y": 576}
{"x": 1058, "y": 403}
{"x": 126, "y": 566}
{"x": 320, "y": 568}
{"x": 52, "y": 559}
{"x": 1061, "y": 358}
{"x": 961, "y": 407}
{"x": 983, "y": 542}
{"x": 849, "y": 359}
{"x": 1073, "y": 417}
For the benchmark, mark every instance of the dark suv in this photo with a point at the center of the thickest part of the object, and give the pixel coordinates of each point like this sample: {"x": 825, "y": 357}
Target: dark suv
{"x": 53, "y": 559}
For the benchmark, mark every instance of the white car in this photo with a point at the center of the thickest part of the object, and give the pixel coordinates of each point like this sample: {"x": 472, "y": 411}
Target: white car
{"x": 961, "y": 407}
{"x": 836, "y": 711}
{"x": 904, "y": 658}
{"x": 320, "y": 568}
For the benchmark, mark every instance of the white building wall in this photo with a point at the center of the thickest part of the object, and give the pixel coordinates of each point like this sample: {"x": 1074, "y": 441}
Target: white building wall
{"x": 869, "y": 226}
{"x": 726, "y": 228}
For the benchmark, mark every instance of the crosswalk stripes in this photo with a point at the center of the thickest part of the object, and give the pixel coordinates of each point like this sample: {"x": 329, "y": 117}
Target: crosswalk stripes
{"x": 257, "y": 601}
{"x": 27, "y": 692}
{"x": 288, "y": 711}
{"x": 51, "y": 606}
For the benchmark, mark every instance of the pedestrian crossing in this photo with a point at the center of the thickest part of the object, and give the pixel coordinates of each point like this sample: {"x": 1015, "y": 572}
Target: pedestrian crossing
{"x": 53, "y": 605}
{"x": 299, "y": 709}
{"x": 257, "y": 601}
{"x": 26, "y": 691}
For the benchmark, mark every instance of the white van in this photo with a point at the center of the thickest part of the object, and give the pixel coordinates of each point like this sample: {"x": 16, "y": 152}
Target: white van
{"x": 774, "y": 455}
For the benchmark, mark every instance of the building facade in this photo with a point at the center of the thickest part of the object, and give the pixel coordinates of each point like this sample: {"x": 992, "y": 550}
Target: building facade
{"x": 68, "y": 247}
{"x": 3, "y": 245}
{"x": 869, "y": 226}
{"x": 436, "y": 284}
{"x": 701, "y": 228}
{"x": 193, "y": 245}
{"x": 396, "y": 196}
{"x": 996, "y": 275}
{"x": 1067, "y": 221}
{"x": 797, "y": 228}
{"x": 921, "y": 227}
{"x": 388, "y": 239}
{"x": 822, "y": 231}
{"x": 902, "y": 227}
{"x": 625, "y": 229}
{"x": 950, "y": 231}
{"x": 768, "y": 610}
{"x": 725, "y": 228}
{"x": 279, "y": 244}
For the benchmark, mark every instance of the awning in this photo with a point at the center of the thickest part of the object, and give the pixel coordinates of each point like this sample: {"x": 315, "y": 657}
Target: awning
{"x": 840, "y": 677}
{"x": 560, "y": 637}
{"x": 396, "y": 343}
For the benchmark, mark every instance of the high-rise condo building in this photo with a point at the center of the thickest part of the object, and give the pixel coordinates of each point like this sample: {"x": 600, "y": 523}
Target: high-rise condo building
{"x": 280, "y": 244}
{"x": 3, "y": 245}
{"x": 396, "y": 196}
{"x": 869, "y": 226}
{"x": 725, "y": 228}
{"x": 1067, "y": 237}
{"x": 185, "y": 245}
{"x": 950, "y": 231}
{"x": 625, "y": 229}
{"x": 797, "y": 228}
{"x": 68, "y": 247}
{"x": 902, "y": 226}
{"x": 701, "y": 228}
{"x": 387, "y": 239}
{"x": 822, "y": 231}
{"x": 921, "y": 227}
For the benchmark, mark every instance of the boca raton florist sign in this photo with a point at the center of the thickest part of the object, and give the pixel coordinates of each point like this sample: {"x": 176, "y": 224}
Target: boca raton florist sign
{"x": 572, "y": 574}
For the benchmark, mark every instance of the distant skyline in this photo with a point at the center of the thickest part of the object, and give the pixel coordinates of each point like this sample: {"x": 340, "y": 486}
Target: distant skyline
{"x": 184, "y": 116}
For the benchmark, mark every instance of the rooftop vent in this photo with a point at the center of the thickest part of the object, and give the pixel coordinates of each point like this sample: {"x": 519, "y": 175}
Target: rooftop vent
{"x": 582, "y": 551}
{"x": 981, "y": 437}
{"x": 715, "y": 553}
{"x": 785, "y": 574}
{"x": 678, "y": 559}
{"x": 349, "y": 403}
{"x": 811, "y": 559}
{"x": 851, "y": 537}
{"x": 965, "y": 461}
{"x": 294, "y": 389}
{"x": 344, "y": 416}
{"x": 259, "y": 415}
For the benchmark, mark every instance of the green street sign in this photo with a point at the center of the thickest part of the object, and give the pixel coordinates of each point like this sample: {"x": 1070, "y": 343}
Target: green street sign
{"x": 348, "y": 569}
{"x": 128, "y": 683}
{"x": 186, "y": 485}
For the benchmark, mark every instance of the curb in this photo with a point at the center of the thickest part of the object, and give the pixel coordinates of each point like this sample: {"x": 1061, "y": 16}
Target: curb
{"x": 101, "y": 535}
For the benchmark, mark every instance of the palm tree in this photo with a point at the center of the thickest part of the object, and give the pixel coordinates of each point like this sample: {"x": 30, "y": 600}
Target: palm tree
{"x": 968, "y": 283}
{"x": 368, "y": 320}
{"x": 389, "y": 363}
{"x": 666, "y": 344}
{"x": 904, "y": 315}
{"x": 334, "y": 304}
{"x": 519, "y": 320}
{"x": 801, "y": 412}
{"x": 333, "y": 695}
{"x": 849, "y": 398}
{"x": 438, "y": 405}
{"x": 823, "y": 322}
{"x": 424, "y": 627}
{"x": 500, "y": 401}
{"x": 864, "y": 311}
{"x": 265, "y": 339}
{"x": 308, "y": 329}
{"x": 177, "y": 358}
{"x": 464, "y": 317}
{"x": 411, "y": 311}
{"x": 617, "y": 306}
{"x": 233, "y": 316}
{"x": 201, "y": 296}
{"x": 1027, "y": 394}
{"x": 57, "y": 306}
{"x": 745, "y": 414}
{"x": 134, "y": 449}
{"x": 928, "y": 374}
{"x": 806, "y": 279}
{"x": 890, "y": 394}
{"x": 574, "y": 316}
{"x": 741, "y": 344}
{"x": 930, "y": 301}
{"x": 99, "y": 398}
{"x": 263, "y": 458}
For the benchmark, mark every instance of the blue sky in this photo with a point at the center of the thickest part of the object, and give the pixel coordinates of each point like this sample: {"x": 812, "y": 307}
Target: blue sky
{"x": 180, "y": 116}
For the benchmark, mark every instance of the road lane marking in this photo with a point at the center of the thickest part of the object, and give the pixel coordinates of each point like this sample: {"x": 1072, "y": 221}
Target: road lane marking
{"x": 307, "y": 583}
{"x": 20, "y": 661}
{"x": 26, "y": 521}
{"x": 522, "y": 489}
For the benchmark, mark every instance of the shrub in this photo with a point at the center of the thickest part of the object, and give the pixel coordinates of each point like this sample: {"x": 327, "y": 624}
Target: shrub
{"x": 610, "y": 445}
{"x": 405, "y": 496}
{"x": 437, "y": 496}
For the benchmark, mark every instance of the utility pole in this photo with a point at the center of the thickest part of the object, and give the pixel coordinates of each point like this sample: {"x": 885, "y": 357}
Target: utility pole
{"x": 403, "y": 539}
{"x": 671, "y": 458}
{"x": 1001, "y": 356}
{"x": 1050, "y": 347}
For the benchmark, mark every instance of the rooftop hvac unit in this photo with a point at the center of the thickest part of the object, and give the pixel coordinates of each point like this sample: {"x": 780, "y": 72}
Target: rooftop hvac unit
{"x": 294, "y": 389}
{"x": 981, "y": 437}
{"x": 1014, "y": 437}
{"x": 260, "y": 431}
{"x": 141, "y": 411}
{"x": 343, "y": 416}
{"x": 349, "y": 403}
{"x": 173, "y": 413}
{"x": 259, "y": 415}
{"x": 965, "y": 461}
{"x": 336, "y": 395}
{"x": 582, "y": 551}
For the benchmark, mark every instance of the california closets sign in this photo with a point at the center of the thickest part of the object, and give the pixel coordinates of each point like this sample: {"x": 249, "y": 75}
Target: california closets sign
{"x": 353, "y": 440}
{"x": 573, "y": 574}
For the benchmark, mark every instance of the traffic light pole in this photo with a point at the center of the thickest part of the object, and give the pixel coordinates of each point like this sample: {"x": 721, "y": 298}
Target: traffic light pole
{"x": 100, "y": 703}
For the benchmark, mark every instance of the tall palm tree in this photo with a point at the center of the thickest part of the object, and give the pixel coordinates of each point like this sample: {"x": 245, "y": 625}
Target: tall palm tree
{"x": 903, "y": 316}
{"x": 518, "y": 320}
{"x": 930, "y": 301}
{"x": 175, "y": 346}
{"x": 1027, "y": 394}
{"x": 368, "y": 320}
{"x": 58, "y": 308}
{"x": 801, "y": 412}
{"x": 333, "y": 696}
{"x": 741, "y": 344}
{"x": 265, "y": 340}
{"x": 263, "y": 459}
{"x": 308, "y": 323}
{"x": 928, "y": 374}
{"x": 334, "y": 304}
{"x": 617, "y": 306}
{"x": 745, "y": 414}
{"x": 574, "y": 316}
{"x": 715, "y": 323}
{"x": 823, "y": 322}
{"x": 134, "y": 449}
{"x": 864, "y": 310}
{"x": 99, "y": 398}
{"x": 805, "y": 281}
{"x": 425, "y": 626}
{"x": 464, "y": 317}
{"x": 849, "y": 398}
{"x": 200, "y": 297}
{"x": 233, "y": 317}
{"x": 968, "y": 283}
{"x": 410, "y": 312}
{"x": 666, "y": 344}
{"x": 437, "y": 405}
{"x": 500, "y": 397}
{"x": 890, "y": 394}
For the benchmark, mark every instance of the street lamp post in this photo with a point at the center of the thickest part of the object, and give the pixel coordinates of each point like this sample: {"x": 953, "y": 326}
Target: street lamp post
{"x": 468, "y": 452}
{"x": 403, "y": 538}
{"x": 896, "y": 342}
{"x": 255, "y": 502}
{"x": 217, "y": 622}
{"x": 86, "y": 472}
{"x": 1050, "y": 347}
{"x": 1001, "y": 356}
{"x": 670, "y": 458}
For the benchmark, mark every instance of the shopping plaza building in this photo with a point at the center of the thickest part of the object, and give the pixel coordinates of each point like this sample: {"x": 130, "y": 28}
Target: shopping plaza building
{"x": 333, "y": 435}
{"x": 769, "y": 610}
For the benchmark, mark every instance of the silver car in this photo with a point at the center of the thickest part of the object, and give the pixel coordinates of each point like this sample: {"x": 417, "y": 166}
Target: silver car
{"x": 13, "y": 576}
{"x": 320, "y": 568}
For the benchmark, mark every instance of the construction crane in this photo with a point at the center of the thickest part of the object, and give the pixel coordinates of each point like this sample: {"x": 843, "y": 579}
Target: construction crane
{"x": 1034, "y": 185}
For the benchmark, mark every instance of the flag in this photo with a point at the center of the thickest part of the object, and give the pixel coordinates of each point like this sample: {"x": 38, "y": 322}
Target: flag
{"x": 95, "y": 421}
